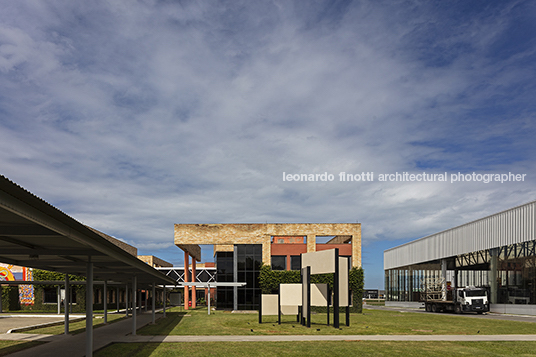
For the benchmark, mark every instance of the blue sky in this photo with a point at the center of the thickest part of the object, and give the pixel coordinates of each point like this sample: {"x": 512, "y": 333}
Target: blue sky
{"x": 133, "y": 116}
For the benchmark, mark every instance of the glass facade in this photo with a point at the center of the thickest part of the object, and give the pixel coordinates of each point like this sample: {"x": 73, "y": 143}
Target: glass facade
{"x": 224, "y": 273}
{"x": 246, "y": 269}
{"x": 509, "y": 272}
{"x": 249, "y": 260}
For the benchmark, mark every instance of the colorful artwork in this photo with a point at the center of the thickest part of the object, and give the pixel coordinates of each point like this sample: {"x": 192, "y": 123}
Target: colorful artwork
{"x": 10, "y": 272}
{"x": 26, "y": 292}
{"x": 6, "y": 273}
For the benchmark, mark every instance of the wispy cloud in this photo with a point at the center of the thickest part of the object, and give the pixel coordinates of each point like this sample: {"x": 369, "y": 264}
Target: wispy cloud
{"x": 132, "y": 116}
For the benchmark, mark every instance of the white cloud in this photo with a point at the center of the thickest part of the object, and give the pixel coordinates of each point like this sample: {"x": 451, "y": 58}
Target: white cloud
{"x": 132, "y": 117}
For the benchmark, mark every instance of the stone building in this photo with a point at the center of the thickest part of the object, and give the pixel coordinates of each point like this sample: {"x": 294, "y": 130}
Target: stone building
{"x": 240, "y": 249}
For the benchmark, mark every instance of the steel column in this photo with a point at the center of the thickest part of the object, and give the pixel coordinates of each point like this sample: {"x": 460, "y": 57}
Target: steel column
{"x": 58, "y": 293}
{"x": 105, "y": 297}
{"x": 66, "y": 304}
{"x": 153, "y": 303}
{"x": 194, "y": 293}
{"x": 89, "y": 308}
{"x": 164, "y": 301}
{"x": 336, "y": 291}
{"x": 186, "y": 279}
{"x": 126, "y": 300}
{"x": 134, "y": 313}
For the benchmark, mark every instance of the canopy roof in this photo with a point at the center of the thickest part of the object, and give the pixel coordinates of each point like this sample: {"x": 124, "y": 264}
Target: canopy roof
{"x": 35, "y": 234}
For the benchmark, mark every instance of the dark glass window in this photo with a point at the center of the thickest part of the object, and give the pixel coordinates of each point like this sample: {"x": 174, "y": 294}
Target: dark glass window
{"x": 224, "y": 273}
{"x": 295, "y": 262}
{"x": 249, "y": 262}
{"x": 50, "y": 296}
{"x": 279, "y": 262}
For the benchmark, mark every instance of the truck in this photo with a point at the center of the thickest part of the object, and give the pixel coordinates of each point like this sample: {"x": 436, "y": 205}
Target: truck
{"x": 438, "y": 298}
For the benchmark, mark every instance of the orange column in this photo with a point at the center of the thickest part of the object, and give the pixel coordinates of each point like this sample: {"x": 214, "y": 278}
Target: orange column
{"x": 194, "y": 296}
{"x": 186, "y": 271}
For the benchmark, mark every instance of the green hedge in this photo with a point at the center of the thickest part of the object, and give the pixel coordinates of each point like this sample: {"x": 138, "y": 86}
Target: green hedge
{"x": 269, "y": 281}
{"x": 10, "y": 294}
{"x": 10, "y": 298}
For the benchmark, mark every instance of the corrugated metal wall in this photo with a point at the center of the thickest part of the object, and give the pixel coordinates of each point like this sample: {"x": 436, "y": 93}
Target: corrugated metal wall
{"x": 508, "y": 227}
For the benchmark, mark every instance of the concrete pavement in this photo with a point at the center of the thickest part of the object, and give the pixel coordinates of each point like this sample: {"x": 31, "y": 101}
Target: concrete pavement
{"x": 16, "y": 322}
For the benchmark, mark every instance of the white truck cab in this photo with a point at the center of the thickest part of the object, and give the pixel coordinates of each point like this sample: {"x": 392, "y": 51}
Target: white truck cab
{"x": 471, "y": 298}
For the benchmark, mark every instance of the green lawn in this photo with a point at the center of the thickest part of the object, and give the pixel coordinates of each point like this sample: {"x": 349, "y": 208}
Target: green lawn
{"x": 371, "y": 322}
{"x": 76, "y": 327}
{"x": 329, "y": 348}
{"x": 8, "y": 347}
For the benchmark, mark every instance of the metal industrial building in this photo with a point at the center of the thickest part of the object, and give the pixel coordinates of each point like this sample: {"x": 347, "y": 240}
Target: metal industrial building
{"x": 497, "y": 252}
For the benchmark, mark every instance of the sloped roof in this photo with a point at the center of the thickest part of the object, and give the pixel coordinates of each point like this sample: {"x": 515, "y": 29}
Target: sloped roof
{"x": 35, "y": 234}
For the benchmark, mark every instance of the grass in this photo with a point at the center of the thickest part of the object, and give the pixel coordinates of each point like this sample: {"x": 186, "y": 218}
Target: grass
{"x": 8, "y": 347}
{"x": 76, "y": 327}
{"x": 371, "y": 322}
{"x": 327, "y": 348}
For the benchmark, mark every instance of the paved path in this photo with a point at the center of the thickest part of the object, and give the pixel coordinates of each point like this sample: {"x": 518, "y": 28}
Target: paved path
{"x": 489, "y": 315}
{"x": 75, "y": 345}
{"x": 8, "y": 322}
{"x": 13, "y": 321}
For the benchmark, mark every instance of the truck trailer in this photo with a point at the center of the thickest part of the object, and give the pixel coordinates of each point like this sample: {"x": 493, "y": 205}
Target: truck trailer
{"x": 438, "y": 298}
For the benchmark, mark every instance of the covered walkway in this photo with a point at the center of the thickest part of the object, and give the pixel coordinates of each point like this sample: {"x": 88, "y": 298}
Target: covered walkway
{"x": 35, "y": 234}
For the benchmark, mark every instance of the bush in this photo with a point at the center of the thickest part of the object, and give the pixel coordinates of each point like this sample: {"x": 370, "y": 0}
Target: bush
{"x": 269, "y": 281}
{"x": 10, "y": 298}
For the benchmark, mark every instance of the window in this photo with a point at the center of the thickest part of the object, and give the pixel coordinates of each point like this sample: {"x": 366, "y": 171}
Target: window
{"x": 295, "y": 262}
{"x": 279, "y": 262}
{"x": 50, "y": 296}
{"x": 249, "y": 261}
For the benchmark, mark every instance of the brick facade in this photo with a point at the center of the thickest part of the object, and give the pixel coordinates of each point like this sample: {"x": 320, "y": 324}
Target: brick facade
{"x": 224, "y": 236}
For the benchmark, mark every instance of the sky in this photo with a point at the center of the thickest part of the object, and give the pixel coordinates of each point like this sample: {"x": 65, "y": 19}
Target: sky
{"x": 131, "y": 116}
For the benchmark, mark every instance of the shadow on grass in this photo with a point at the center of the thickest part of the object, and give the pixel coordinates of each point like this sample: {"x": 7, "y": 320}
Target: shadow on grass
{"x": 164, "y": 325}
{"x": 9, "y": 347}
{"x": 127, "y": 349}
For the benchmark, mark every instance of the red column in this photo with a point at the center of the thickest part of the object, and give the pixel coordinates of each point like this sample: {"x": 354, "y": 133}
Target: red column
{"x": 186, "y": 271}
{"x": 194, "y": 296}
{"x": 288, "y": 261}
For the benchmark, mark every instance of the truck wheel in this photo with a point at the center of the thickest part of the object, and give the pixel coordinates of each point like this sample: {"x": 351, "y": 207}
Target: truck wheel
{"x": 458, "y": 309}
{"x": 434, "y": 308}
{"x": 428, "y": 308}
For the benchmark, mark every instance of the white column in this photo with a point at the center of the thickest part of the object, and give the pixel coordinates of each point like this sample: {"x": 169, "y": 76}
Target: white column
{"x": 66, "y": 304}
{"x": 134, "y": 304}
{"x": 105, "y": 297}
{"x": 126, "y": 300}
{"x": 153, "y": 303}
{"x": 165, "y": 301}
{"x": 58, "y": 292}
{"x": 89, "y": 309}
